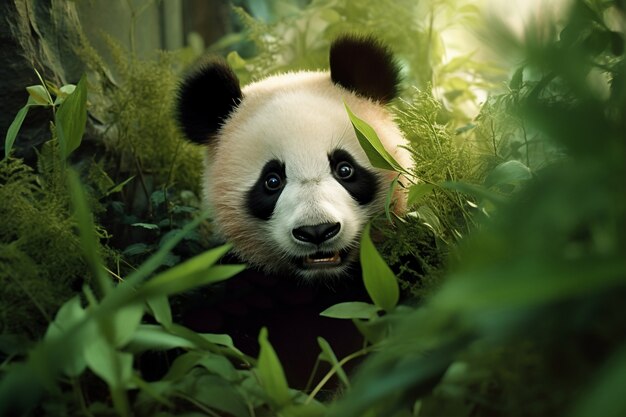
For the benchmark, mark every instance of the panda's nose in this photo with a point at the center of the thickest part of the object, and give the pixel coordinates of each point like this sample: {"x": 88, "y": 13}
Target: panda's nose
{"x": 317, "y": 234}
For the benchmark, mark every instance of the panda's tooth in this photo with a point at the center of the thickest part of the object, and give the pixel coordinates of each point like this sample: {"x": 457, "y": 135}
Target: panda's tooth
{"x": 334, "y": 259}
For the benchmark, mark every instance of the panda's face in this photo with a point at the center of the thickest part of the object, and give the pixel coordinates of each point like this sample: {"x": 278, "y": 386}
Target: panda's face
{"x": 287, "y": 180}
{"x": 290, "y": 184}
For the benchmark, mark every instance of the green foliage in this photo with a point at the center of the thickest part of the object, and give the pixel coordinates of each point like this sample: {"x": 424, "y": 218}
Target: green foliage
{"x": 509, "y": 331}
{"x": 42, "y": 265}
{"x": 70, "y": 118}
{"x": 140, "y": 133}
{"x": 510, "y": 260}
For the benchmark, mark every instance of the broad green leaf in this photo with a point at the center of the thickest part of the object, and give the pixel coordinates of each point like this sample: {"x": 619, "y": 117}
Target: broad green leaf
{"x": 161, "y": 310}
{"x": 137, "y": 249}
{"x": 14, "y": 129}
{"x": 125, "y": 323}
{"x": 71, "y": 118}
{"x": 39, "y": 95}
{"x": 419, "y": 191}
{"x": 270, "y": 372}
{"x": 371, "y": 144}
{"x": 115, "y": 368}
{"x": 216, "y": 364}
{"x": 70, "y": 314}
{"x": 351, "y": 310}
{"x": 380, "y": 281}
{"x": 214, "y": 392}
{"x": 155, "y": 337}
{"x": 87, "y": 229}
{"x": 207, "y": 341}
{"x": 509, "y": 172}
{"x": 329, "y": 356}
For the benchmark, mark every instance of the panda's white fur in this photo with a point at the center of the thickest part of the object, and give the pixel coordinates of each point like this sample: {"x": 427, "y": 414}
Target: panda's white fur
{"x": 298, "y": 119}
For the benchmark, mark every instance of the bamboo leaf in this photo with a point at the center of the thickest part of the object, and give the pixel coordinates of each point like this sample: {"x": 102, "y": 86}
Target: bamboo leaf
{"x": 71, "y": 118}
{"x": 270, "y": 372}
{"x": 351, "y": 310}
{"x": 380, "y": 281}
{"x": 329, "y": 356}
{"x": 14, "y": 129}
{"x": 371, "y": 144}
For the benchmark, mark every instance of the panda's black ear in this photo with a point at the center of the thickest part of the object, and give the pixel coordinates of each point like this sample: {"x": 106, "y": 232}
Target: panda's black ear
{"x": 366, "y": 66}
{"x": 205, "y": 99}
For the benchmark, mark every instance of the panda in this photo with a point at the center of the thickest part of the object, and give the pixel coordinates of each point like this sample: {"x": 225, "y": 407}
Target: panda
{"x": 287, "y": 181}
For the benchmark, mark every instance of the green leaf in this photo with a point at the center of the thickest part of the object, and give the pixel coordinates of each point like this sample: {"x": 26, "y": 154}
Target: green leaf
{"x": 214, "y": 392}
{"x": 517, "y": 79}
{"x": 509, "y": 172}
{"x": 161, "y": 310}
{"x": 119, "y": 186}
{"x": 605, "y": 396}
{"x": 475, "y": 190}
{"x": 351, "y": 310}
{"x": 71, "y": 118}
{"x": 428, "y": 218}
{"x": 39, "y": 95}
{"x": 388, "y": 199}
{"x": 125, "y": 323}
{"x": 195, "y": 272}
{"x": 216, "y": 364}
{"x": 329, "y": 356}
{"x": 149, "y": 226}
{"x": 155, "y": 337}
{"x": 88, "y": 240}
{"x": 156, "y": 260}
{"x": 371, "y": 144}
{"x": 137, "y": 249}
{"x": 270, "y": 372}
{"x": 63, "y": 92}
{"x": 115, "y": 368}
{"x": 418, "y": 192}
{"x": 70, "y": 314}
{"x": 380, "y": 281}
{"x": 14, "y": 129}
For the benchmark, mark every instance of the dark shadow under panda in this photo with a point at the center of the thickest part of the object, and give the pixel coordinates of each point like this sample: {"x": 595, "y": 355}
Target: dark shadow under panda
{"x": 291, "y": 188}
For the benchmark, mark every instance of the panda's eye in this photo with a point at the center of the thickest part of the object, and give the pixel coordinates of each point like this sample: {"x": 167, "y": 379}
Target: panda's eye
{"x": 344, "y": 170}
{"x": 273, "y": 182}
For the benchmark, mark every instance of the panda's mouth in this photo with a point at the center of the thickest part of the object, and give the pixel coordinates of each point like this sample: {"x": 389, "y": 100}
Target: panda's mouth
{"x": 323, "y": 259}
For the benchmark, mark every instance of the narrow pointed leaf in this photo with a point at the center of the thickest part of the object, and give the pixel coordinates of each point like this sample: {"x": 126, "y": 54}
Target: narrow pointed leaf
{"x": 14, "y": 129}
{"x": 371, "y": 144}
{"x": 380, "y": 281}
{"x": 270, "y": 372}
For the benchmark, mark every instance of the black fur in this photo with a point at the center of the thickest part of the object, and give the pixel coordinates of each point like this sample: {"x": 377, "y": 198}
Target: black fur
{"x": 260, "y": 201}
{"x": 363, "y": 185}
{"x": 205, "y": 99}
{"x": 364, "y": 65}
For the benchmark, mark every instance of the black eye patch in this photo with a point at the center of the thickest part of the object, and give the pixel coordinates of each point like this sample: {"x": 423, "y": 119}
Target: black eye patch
{"x": 263, "y": 195}
{"x": 361, "y": 183}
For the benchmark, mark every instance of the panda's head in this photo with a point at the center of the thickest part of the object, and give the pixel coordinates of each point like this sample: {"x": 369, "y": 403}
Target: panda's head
{"x": 286, "y": 178}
